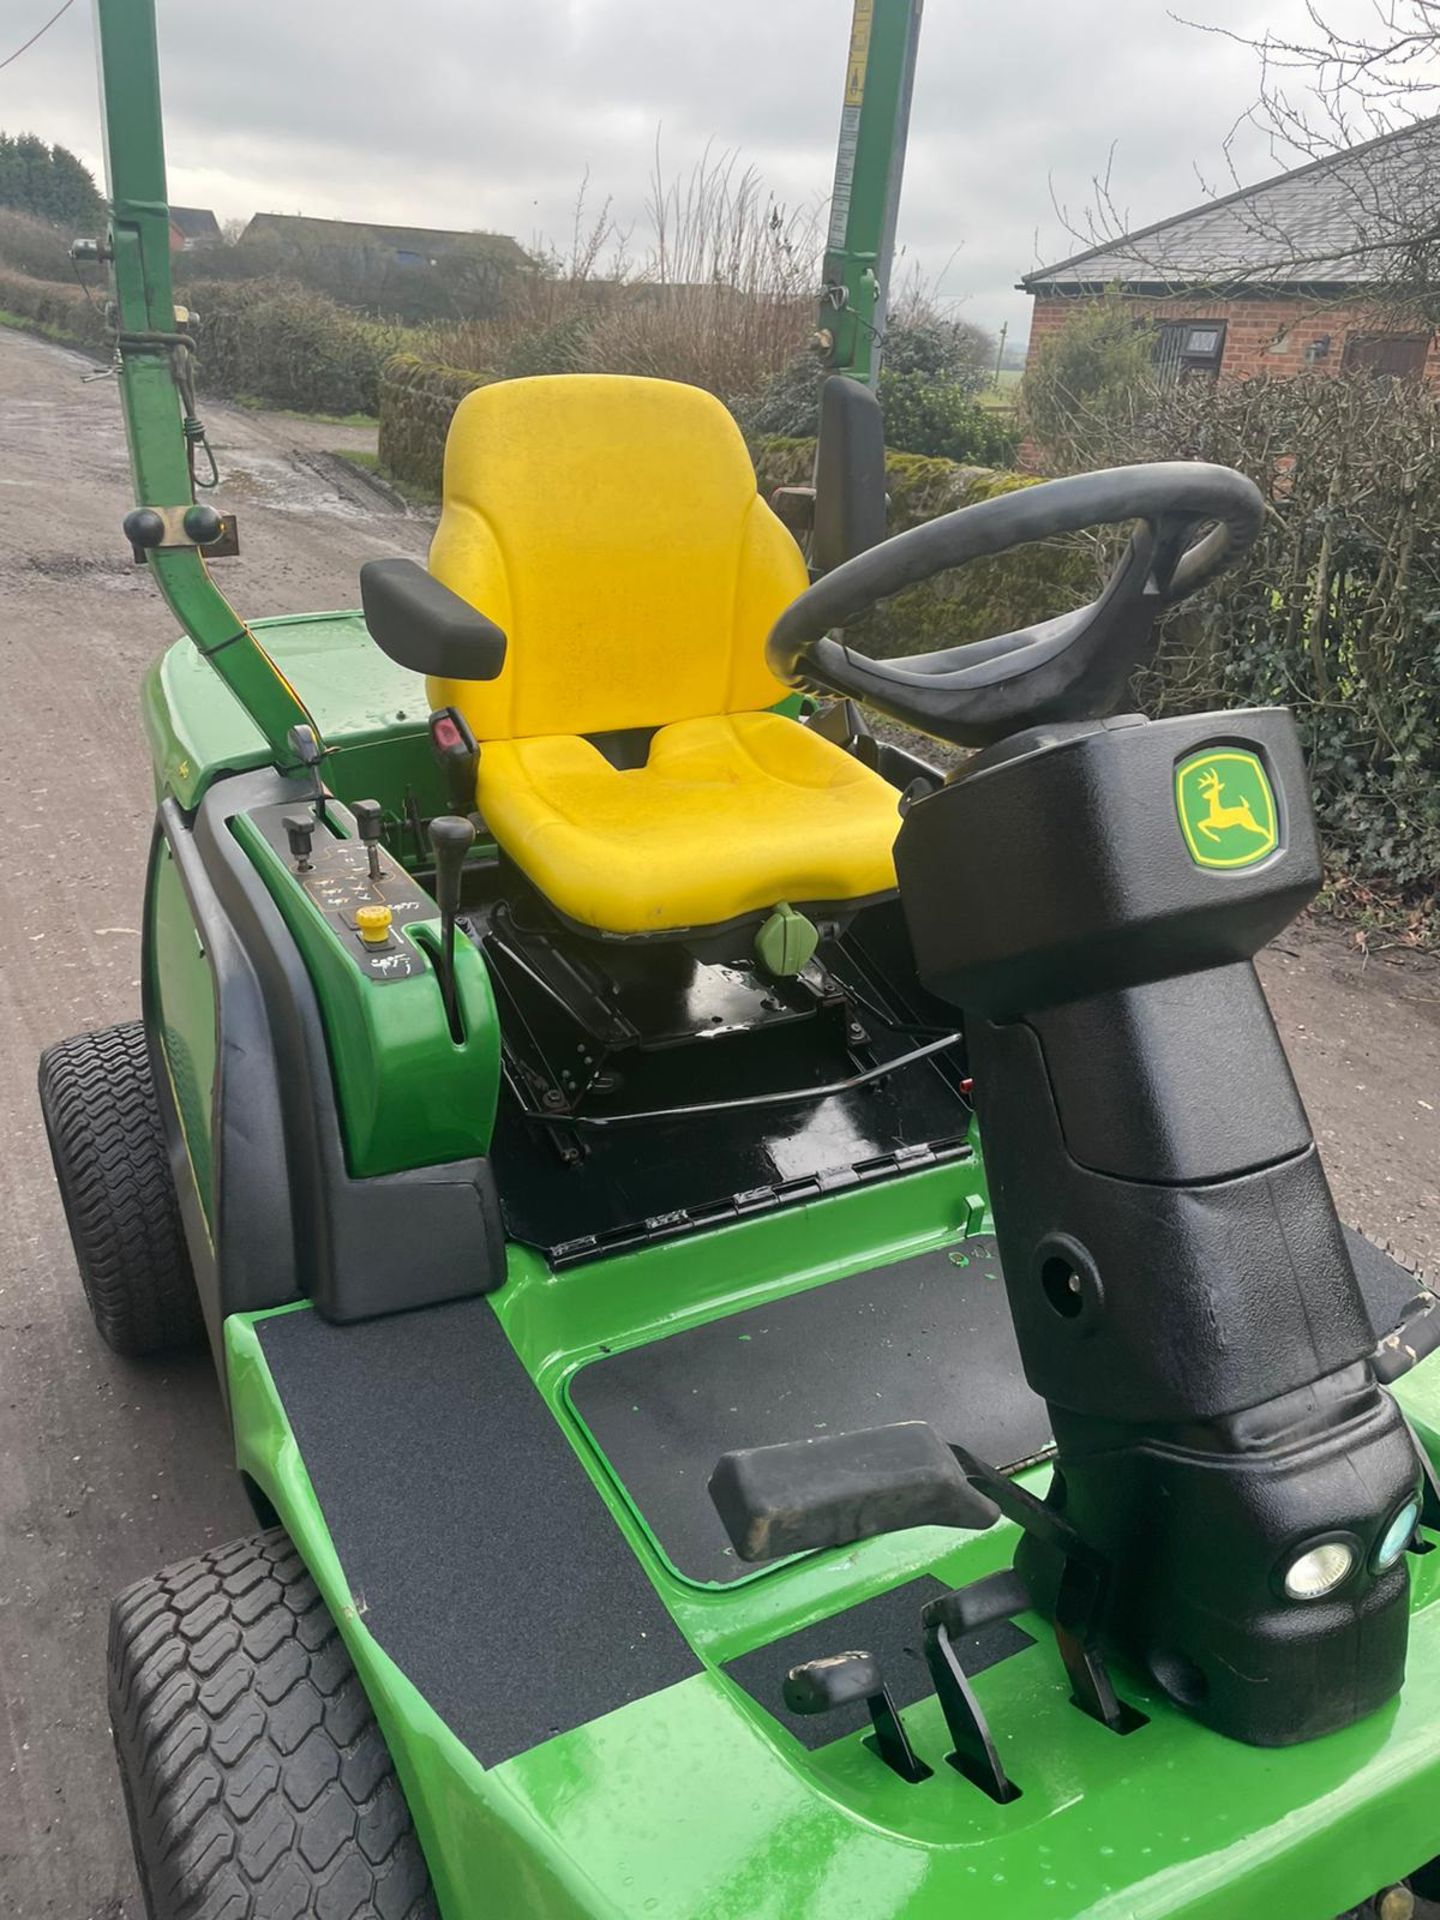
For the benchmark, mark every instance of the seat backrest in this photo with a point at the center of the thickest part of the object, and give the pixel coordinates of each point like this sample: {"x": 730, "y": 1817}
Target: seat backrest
{"x": 611, "y": 526}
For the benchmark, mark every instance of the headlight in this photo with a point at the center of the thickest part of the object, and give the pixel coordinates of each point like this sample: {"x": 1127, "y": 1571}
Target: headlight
{"x": 1397, "y": 1536}
{"x": 1318, "y": 1570}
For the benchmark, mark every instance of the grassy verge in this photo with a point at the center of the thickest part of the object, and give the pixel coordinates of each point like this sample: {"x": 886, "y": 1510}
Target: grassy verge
{"x": 253, "y": 403}
{"x": 42, "y": 329}
{"x": 409, "y": 490}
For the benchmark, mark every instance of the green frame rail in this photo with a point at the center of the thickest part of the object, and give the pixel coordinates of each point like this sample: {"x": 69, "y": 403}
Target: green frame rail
{"x": 865, "y": 201}
{"x": 138, "y": 251}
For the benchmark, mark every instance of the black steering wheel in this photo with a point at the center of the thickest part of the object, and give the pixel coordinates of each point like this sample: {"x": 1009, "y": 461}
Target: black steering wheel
{"x": 1073, "y": 667}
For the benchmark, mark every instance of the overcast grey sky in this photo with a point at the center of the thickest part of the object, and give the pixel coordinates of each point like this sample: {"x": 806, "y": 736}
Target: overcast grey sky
{"x": 486, "y": 113}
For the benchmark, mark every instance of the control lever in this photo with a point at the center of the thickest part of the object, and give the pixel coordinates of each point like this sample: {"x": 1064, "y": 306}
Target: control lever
{"x": 840, "y": 1679}
{"x": 300, "y": 832}
{"x": 369, "y": 819}
{"x": 308, "y": 751}
{"x": 451, "y": 838}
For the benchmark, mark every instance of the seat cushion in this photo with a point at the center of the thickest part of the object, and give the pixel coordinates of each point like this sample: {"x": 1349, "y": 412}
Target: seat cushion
{"x": 730, "y": 815}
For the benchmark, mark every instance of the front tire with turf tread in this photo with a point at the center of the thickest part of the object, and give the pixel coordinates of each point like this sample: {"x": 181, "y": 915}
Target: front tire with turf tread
{"x": 257, "y": 1782}
{"x": 97, "y": 1095}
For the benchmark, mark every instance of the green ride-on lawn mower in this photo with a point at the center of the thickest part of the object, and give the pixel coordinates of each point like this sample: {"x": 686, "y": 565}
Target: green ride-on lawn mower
{"x": 706, "y": 1468}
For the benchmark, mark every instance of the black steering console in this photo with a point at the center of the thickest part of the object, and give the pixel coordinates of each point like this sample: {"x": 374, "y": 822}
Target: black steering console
{"x": 1237, "y": 1488}
{"x": 1092, "y": 894}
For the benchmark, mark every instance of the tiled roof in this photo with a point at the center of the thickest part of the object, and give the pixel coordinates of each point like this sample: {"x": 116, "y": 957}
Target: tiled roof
{"x": 195, "y": 223}
{"x": 301, "y": 228}
{"x": 1333, "y": 222}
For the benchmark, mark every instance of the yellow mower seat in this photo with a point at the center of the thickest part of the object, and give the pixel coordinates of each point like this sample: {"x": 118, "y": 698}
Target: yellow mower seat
{"x": 729, "y": 815}
{"x": 611, "y": 526}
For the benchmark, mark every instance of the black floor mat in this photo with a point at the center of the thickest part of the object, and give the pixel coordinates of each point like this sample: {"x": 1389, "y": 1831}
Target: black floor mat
{"x": 927, "y": 1339}
{"x": 477, "y": 1547}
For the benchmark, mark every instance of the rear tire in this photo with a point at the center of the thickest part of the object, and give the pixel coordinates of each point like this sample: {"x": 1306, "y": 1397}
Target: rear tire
{"x": 256, "y": 1779}
{"x": 97, "y": 1095}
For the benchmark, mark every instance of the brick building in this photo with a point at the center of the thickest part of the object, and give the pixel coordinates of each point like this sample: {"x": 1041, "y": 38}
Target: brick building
{"x": 1278, "y": 277}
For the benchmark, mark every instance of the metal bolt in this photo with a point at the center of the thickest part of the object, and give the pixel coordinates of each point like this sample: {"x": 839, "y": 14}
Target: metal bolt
{"x": 552, "y": 1097}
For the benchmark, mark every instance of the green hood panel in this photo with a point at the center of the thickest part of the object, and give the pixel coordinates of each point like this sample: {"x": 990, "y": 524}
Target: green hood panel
{"x": 197, "y": 728}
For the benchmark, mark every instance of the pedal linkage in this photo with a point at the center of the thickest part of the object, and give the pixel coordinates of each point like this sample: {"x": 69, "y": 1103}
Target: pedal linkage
{"x": 806, "y": 1494}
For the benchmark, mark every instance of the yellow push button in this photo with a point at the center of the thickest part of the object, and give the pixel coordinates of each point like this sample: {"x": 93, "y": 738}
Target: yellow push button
{"x": 374, "y": 925}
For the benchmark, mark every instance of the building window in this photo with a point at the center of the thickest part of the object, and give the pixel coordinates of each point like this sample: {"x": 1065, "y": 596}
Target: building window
{"x": 1398, "y": 355}
{"x": 1187, "y": 347}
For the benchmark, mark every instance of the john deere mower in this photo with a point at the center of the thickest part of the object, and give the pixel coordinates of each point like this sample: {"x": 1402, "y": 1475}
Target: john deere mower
{"x": 782, "y": 1320}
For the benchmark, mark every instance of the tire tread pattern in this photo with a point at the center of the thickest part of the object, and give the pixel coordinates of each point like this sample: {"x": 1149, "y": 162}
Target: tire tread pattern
{"x": 257, "y": 1782}
{"x": 97, "y": 1095}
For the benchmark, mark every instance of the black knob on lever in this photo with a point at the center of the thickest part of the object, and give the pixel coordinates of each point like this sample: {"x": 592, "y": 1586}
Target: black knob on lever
{"x": 300, "y": 832}
{"x": 843, "y": 1678}
{"x": 144, "y": 528}
{"x": 369, "y": 820}
{"x": 451, "y": 839}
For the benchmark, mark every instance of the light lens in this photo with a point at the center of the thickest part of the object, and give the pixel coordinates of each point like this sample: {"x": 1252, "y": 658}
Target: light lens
{"x": 1319, "y": 1570}
{"x": 1397, "y": 1536}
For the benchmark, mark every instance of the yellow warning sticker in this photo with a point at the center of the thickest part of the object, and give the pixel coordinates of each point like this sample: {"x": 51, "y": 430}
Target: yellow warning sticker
{"x": 859, "y": 52}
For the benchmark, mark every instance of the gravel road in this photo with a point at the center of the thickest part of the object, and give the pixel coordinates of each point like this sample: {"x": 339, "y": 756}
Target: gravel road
{"x": 109, "y": 1469}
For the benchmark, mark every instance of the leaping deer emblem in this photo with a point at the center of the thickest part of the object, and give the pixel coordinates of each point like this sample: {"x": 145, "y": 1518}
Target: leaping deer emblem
{"x": 1220, "y": 817}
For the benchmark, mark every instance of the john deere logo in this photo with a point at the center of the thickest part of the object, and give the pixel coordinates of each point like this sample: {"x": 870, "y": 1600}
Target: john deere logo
{"x": 1226, "y": 808}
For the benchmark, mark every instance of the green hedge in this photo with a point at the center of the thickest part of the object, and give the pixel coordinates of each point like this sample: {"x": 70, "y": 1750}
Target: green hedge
{"x": 988, "y": 596}
{"x": 1335, "y": 610}
{"x": 280, "y": 343}
{"x": 53, "y": 308}
{"x": 417, "y": 398}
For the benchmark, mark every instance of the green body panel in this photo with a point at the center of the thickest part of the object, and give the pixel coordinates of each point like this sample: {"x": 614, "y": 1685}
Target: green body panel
{"x": 409, "y": 1094}
{"x": 183, "y": 988}
{"x": 693, "y": 1803}
{"x": 371, "y": 713}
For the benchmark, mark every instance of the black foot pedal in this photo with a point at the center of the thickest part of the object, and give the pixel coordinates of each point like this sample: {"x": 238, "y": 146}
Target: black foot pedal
{"x": 842, "y": 1678}
{"x": 1079, "y": 1600}
{"x": 1077, "y": 1613}
{"x": 974, "y": 1752}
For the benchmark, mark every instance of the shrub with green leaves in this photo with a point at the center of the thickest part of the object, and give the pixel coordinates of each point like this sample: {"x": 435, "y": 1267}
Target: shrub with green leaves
{"x": 937, "y": 417}
{"x": 930, "y": 372}
{"x": 1097, "y": 370}
{"x": 1335, "y": 612}
{"x": 277, "y": 341}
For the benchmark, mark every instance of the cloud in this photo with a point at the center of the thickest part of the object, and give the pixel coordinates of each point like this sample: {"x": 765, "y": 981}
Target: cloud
{"x": 485, "y": 113}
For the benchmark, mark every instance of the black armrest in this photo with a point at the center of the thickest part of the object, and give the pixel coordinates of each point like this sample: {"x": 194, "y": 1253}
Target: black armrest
{"x": 421, "y": 624}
